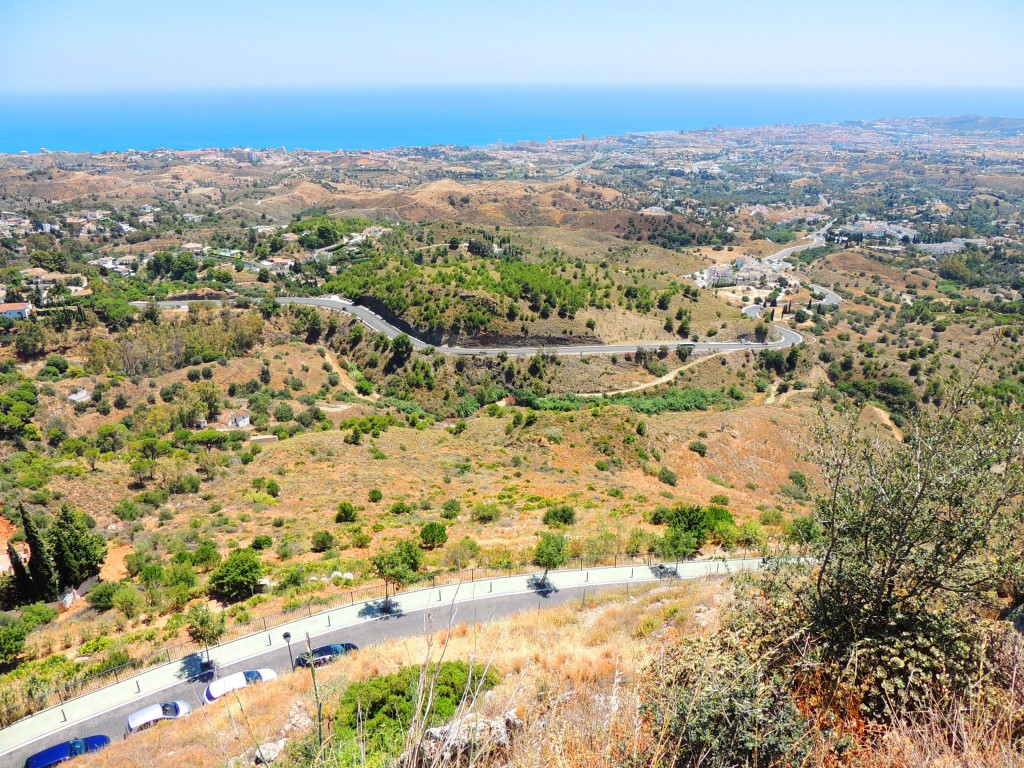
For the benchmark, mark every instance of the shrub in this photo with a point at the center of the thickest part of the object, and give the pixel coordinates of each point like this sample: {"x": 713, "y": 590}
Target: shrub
{"x": 720, "y": 499}
{"x": 400, "y": 508}
{"x": 375, "y": 495}
{"x": 127, "y": 510}
{"x": 37, "y": 614}
{"x": 486, "y": 513}
{"x": 128, "y": 601}
{"x": 718, "y": 708}
{"x": 346, "y": 512}
{"x": 805, "y": 529}
{"x": 322, "y": 541}
{"x": 237, "y": 577}
{"x": 667, "y": 476}
{"x": 451, "y": 509}
{"x": 459, "y": 554}
{"x": 698, "y": 447}
{"x": 382, "y": 707}
{"x": 154, "y": 497}
{"x": 360, "y": 539}
{"x": 433, "y": 534}
{"x": 561, "y": 515}
{"x": 101, "y": 596}
{"x": 261, "y": 542}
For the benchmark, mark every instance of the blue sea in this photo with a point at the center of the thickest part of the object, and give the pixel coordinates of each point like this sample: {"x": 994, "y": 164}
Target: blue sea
{"x": 378, "y": 118}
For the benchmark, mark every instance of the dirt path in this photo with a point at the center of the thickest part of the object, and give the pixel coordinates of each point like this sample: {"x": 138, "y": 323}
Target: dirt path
{"x": 668, "y": 378}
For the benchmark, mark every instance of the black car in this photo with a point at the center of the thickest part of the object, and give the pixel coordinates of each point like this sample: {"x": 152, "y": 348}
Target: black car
{"x": 325, "y": 654}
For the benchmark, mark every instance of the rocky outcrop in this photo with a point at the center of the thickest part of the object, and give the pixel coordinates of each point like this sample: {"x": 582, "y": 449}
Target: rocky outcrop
{"x": 470, "y": 735}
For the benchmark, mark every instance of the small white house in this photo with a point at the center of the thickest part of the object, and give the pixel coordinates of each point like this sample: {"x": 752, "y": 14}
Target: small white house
{"x": 80, "y": 396}
{"x": 237, "y": 418}
{"x": 18, "y": 310}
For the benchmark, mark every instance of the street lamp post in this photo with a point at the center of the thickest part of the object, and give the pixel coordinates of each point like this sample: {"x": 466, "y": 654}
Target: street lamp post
{"x": 288, "y": 639}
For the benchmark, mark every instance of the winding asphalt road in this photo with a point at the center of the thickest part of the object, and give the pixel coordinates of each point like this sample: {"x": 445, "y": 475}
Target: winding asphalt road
{"x": 787, "y": 337}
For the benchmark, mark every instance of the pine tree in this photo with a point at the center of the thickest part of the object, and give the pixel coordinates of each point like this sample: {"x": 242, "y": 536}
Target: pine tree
{"x": 40, "y": 563}
{"x": 23, "y": 588}
{"x": 77, "y": 554}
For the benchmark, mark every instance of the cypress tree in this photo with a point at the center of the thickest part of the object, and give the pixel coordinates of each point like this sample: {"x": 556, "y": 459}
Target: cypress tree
{"x": 77, "y": 553}
{"x": 40, "y": 564}
{"x": 23, "y": 588}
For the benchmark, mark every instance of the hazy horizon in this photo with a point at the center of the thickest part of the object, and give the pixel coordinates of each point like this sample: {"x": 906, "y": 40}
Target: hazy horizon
{"x": 375, "y": 118}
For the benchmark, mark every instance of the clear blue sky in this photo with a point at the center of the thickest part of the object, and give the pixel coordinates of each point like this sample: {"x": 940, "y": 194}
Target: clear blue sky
{"x": 82, "y": 45}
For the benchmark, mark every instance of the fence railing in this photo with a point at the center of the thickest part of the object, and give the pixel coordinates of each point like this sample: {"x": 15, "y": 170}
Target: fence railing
{"x": 36, "y": 702}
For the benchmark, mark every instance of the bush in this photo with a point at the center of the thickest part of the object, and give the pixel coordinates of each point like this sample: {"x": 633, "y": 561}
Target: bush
{"x": 128, "y": 601}
{"x": 37, "y": 614}
{"x": 101, "y": 596}
{"x": 451, "y": 509}
{"x": 346, "y": 512}
{"x": 805, "y": 529}
{"x": 184, "y": 484}
{"x": 720, "y": 499}
{"x": 719, "y": 709}
{"x": 154, "y": 497}
{"x": 698, "y": 447}
{"x": 375, "y": 495}
{"x": 237, "y": 577}
{"x": 261, "y": 542}
{"x": 561, "y": 515}
{"x": 360, "y": 539}
{"x": 667, "y": 476}
{"x": 400, "y": 508}
{"x": 322, "y": 541}
{"x": 433, "y": 535}
{"x": 127, "y": 510}
{"x": 486, "y": 513}
{"x": 459, "y": 554}
{"x": 383, "y": 707}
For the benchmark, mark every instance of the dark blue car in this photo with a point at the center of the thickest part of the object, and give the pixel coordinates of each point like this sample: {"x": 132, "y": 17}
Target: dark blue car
{"x": 325, "y": 654}
{"x": 69, "y": 749}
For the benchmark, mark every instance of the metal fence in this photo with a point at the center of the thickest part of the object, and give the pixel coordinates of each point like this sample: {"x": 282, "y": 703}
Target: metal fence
{"x": 37, "y": 701}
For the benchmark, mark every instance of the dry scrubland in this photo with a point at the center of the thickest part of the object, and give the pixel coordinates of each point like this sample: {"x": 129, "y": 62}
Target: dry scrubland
{"x": 749, "y": 458}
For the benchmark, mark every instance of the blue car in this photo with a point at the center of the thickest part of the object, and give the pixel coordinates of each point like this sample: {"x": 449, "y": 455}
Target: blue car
{"x": 325, "y": 654}
{"x": 58, "y": 753}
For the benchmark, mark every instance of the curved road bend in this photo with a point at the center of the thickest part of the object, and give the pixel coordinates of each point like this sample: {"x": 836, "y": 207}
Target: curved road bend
{"x": 787, "y": 337}
{"x": 106, "y": 710}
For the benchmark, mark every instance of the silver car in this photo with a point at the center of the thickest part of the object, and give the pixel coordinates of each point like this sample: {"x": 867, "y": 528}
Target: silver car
{"x": 154, "y": 713}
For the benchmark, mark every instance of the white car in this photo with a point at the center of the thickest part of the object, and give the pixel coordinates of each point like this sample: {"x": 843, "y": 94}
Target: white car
{"x": 218, "y": 688}
{"x": 144, "y": 718}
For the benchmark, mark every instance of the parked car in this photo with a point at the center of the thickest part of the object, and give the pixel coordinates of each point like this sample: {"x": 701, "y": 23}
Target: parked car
{"x": 58, "y": 753}
{"x": 144, "y": 718}
{"x": 218, "y": 688}
{"x": 325, "y": 654}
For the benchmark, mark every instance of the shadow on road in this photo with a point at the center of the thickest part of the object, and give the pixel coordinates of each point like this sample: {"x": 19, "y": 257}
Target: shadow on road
{"x": 541, "y": 585}
{"x": 665, "y": 571}
{"x": 196, "y": 669}
{"x": 381, "y": 609}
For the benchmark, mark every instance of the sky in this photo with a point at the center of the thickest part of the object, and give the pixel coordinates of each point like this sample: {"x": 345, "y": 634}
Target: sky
{"x": 115, "y": 45}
